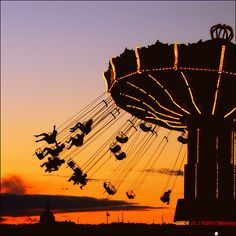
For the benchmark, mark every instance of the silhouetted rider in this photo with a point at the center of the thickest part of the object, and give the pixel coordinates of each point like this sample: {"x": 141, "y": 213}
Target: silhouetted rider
{"x": 52, "y": 164}
{"x": 52, "y": 151}
{"x": 49, "y": 138}
{"x": 79, "y": 178}
{"x": 166, "y": 197}
{"x": 85, "y": 127}
{"x": 78, "y": 140}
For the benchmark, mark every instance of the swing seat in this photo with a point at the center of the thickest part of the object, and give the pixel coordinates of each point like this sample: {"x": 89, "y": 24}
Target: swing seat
{"x": 71, "y": 164}
{"x": 120, "y": 156}
{"x": 39, "y": 154}
{"x": 145, "y": 128}
{"x": 107, "y": 185}
{"x": 166, "y": 197}
{"x": 115, "y": 148}
{"x": 110, "y": 189}
{"x": 163, "y": 199}
{"x": 130, "y": 194}
{"x": 122, "y": 139}
{"x": 183, "y": 140}
{"x": 79, "y": 140}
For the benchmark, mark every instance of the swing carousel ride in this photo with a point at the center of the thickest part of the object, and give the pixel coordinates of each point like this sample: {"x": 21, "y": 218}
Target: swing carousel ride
{"x": 176, "y": 88}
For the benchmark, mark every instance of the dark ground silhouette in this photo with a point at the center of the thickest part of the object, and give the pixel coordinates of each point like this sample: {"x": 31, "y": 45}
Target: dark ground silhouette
{"x": 70, "y": 228}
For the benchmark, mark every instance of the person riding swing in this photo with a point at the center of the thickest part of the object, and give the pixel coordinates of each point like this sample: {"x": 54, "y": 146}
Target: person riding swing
{"x": 166, "y": 197}
{"x": 77, "y": 141}
{"x": 52, "y": 164}
{"x": 85, "y": 127}
{"x": 79, "y": 178}
{"x": 49, "y": 138}
{"x": 54, "y": 152}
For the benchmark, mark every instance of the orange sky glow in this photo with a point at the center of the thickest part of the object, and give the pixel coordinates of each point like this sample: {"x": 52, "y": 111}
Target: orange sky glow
{"x": 53, "y": 56}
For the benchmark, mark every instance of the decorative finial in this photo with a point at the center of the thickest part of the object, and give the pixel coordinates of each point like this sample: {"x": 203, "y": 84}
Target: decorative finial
{"x": 222, "y": 32}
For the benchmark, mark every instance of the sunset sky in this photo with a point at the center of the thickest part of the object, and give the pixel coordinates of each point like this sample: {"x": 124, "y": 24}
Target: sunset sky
{"x": 53, "y": 55}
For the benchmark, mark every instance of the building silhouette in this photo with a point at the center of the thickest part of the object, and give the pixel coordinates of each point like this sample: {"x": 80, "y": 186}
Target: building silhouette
{"x": 47, "y": 216}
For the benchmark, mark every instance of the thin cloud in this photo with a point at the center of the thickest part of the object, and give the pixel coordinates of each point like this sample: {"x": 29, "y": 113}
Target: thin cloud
{"x": 57, "y": 175}
{"x": 32, "y": 205}
{"x": 31, "y": 220}
{"x": 3, "y": 219}
{"x": 13, "y": 184}
{"x": 166, "y": 171}
{"x": 68, "y": 176}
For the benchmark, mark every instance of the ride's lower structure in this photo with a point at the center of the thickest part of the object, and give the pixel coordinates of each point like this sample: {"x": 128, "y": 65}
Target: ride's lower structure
{"x": 209, "y": 184}
{"x": 188, "y": 88}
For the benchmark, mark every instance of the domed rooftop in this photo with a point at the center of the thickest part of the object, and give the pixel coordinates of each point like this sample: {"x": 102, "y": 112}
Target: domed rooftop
{"x": 47, "y": 216}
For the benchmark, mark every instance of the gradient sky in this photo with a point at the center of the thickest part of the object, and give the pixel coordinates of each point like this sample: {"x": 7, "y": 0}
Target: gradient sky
{"x": 53, "y": 55}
